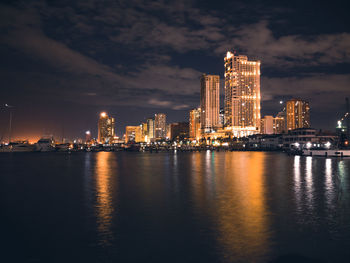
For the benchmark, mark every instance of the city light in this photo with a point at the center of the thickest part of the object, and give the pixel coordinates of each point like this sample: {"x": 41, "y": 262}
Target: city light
{"x": 308, "y": 145}
{"x": 87, "y": 132}
{"x": 103, "y": 114}
{"x": 328, "y": 144}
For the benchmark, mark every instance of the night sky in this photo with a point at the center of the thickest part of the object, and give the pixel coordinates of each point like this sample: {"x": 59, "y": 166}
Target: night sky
{"x": 62, "y": 62}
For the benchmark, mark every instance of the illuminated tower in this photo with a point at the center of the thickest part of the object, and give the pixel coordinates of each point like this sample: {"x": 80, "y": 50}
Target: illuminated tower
{"x": 298, "y": 114}
{"x": 150, "y": 129}
{"x": 106, "y": 131}
{"x": 160, "y": 126}
{"x": 195, "y": 124}
{"x": 242, "y": 95}
{"x": 210, "y": 102}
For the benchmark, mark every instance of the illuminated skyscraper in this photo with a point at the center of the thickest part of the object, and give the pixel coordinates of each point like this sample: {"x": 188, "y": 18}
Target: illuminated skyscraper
{"x": 106, "y": 130}
{"x": 298, "y": 114}
{"x": 210, "y": 102}
{"x": 195, "y": 124}
{"x": 242, "y": 95}
{"x": 144, "y": 131}
{"x": 160, "y": 126}
{"x": 150, "y": 129}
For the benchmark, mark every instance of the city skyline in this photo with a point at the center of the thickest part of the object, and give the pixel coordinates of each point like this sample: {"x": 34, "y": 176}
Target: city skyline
{"x": 63, "y": 64}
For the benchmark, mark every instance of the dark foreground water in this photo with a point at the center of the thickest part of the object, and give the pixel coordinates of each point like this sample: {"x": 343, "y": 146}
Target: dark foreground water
{"x": 166, "y": 207}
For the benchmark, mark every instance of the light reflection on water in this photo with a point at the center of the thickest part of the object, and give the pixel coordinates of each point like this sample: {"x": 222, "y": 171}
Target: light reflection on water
{"x": 105, "y": 174}
{"x": 241, "y": 215}
{"x": 230, "y": 196}
{"x": 329, "y": 184}
{"x": 297, "y": 183}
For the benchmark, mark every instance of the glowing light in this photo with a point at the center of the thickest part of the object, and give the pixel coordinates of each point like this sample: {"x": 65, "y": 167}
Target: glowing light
{"x": 328, "y": 144}
{"x": 281, "y": 101}
{"x": 87, "y": 132}
{"x": 297, "y": 144}
{"x": 339, "y": 124}
{"x": 103, "y": 114}
{"x": 308, "y": 145}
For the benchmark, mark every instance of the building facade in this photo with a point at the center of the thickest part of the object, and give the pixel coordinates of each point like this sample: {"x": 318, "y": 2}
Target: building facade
{"x": 279, "y": 124}
{"x": 267, "y": 125}
{"x": 242, "y": 95}
{"x": 210, "y": 102}
{"x": 195, "y": 124}
{"x": 150, "y": 129}
{"x": 272, "y": 125}
{"x": 160, "y": 126}
{"x": 298, "y": 114}
{"x": 179, "y": 130}
{"x": 133, "y": 134}
{"x": 106, "y": 130}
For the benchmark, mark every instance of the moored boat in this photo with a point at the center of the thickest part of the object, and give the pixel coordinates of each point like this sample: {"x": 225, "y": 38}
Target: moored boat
{"x": 45, "y": 144}
{"x": 327, "y": 152}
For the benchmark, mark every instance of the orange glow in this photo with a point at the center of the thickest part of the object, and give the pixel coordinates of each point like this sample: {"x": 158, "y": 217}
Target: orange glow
{"x": 104, "y": 206}
{"x": 103, "y": 114}
{"x": 242, "y": 215}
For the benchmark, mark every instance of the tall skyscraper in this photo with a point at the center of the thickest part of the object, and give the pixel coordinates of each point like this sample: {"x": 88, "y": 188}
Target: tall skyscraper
{"x": 195, "y": 124}
{"x": 106, "y": 130}
{"x": 298, "y": 114}
{"x": 160, "y": 126}
{"x": 144, "y": 131}
{"x": 210, "y": 102}
{"x": 150, "y": 129}
{"x": 242, "y": 95}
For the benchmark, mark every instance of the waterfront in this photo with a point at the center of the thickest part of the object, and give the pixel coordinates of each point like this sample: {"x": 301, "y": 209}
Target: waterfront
{"x": 173, "y": 207}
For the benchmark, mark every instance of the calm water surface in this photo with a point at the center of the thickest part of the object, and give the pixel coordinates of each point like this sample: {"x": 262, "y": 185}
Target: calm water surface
{"x": 168, "y": 207}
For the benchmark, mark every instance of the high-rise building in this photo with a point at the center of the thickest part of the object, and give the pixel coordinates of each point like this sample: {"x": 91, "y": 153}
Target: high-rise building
{"x": 221, "y": 118}
{"x": 179, "y": 130}
{"x": 133, "y": 134}
{"x": 106, "y": 130}
{"x": 267, "y": 125}
{"x": 144, "y": 131}
{"x": 298, "y": 114}
{"x": 195, "y": 124}
{"x": 150, "y": 129}
{"x": 160, "y": 126}
{"x": 242, "y": 95}
{"x": 272, "y": 125}
{"x": 279, "y": 125}
{"x": 210, "y": 102}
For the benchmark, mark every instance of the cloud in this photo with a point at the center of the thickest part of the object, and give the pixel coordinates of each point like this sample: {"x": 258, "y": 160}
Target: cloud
{"x": 258, "y": 40}
{"x": 323, "y": 91}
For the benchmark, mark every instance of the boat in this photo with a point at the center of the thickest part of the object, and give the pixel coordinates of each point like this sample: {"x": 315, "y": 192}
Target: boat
{"x": 18, "y": 146}
{"x": 45, "y": 144}
{"x": 327, "y": 152}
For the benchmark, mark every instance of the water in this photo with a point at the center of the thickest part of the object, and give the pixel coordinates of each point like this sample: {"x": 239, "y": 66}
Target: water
{"x": 166, "y": 207}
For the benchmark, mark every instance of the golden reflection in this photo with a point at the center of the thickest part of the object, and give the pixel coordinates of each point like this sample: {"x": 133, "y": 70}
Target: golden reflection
{"x": 242, "y": 216}
{"x": 104, "y": 206}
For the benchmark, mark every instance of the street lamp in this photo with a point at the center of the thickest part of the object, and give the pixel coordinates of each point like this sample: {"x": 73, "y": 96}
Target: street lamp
{"x": 10, "y": 124}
